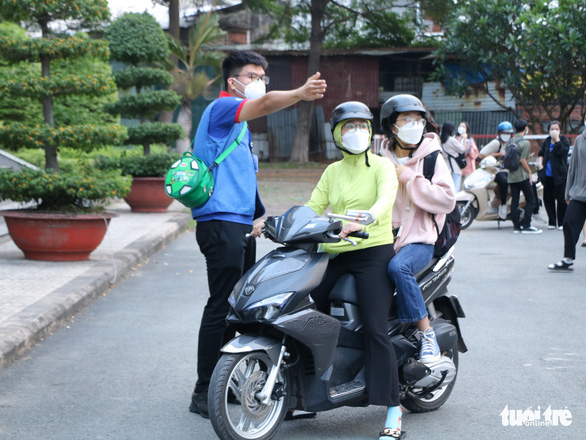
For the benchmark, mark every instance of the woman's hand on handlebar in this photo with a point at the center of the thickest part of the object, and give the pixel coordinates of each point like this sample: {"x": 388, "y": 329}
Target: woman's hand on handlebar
{"x": 257, "y": 228}
{"x": 349, "y": 228}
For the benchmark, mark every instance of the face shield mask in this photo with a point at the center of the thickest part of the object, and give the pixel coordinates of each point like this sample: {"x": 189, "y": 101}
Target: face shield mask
{"x": 254, "y": 90}
{"x": 410, "y": 134}
{"x": 356, "y": 142}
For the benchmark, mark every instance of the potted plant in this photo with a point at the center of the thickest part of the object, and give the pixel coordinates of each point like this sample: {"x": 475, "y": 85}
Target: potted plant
{"x": 67, "y": 221}
{"x": 137, "y": 39}
{"x": 52, "y": 78}
{"x": 148, "y": 175}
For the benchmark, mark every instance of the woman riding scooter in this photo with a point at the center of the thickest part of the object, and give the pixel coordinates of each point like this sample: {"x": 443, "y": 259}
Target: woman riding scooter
{"x": 419, "y": 200}
{"x": 363, "y": 181}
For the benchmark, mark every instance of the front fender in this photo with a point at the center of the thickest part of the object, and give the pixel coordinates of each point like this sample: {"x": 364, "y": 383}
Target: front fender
{"x": 464, "y": 196}
{"x": 250, "y": 343}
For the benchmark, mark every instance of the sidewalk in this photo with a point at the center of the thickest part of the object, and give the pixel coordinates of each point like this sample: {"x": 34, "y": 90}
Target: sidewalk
{"x": 36, "y": 297}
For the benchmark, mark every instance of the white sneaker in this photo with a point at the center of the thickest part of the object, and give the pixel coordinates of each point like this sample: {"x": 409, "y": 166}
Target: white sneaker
{"x": 430, "y": 351}
{"x": 551, "y": 227}
{"x": 561, "y": 228}
{"x": 531, "y": 230}
{"x": 503, "y": 212}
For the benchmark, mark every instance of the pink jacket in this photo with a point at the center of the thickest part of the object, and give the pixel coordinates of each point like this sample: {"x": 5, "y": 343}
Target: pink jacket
{"x": 418, "y": 198}
{"x": 471, "y": 155}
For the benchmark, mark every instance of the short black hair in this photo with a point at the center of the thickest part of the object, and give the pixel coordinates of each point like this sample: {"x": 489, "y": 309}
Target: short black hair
{"x": 554, "y": 123}
{"x": 235, "y": 61}
{"x": 520, "y": 125}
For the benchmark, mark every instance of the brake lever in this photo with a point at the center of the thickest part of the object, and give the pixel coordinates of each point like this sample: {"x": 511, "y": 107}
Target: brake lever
{"x": 352, "y": 242}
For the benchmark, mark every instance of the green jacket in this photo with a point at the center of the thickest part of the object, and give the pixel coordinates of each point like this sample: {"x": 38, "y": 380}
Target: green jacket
{"x": 520, "y": 175}
{"x": 350, "y": 184}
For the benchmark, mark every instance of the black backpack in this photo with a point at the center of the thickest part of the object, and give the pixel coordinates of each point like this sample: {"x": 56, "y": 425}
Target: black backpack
{"x": 511, "y": 160}
{"x": 448, "y": 236}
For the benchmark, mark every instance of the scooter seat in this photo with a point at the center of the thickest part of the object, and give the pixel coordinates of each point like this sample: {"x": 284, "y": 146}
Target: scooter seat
{"x": 344, "y": 291}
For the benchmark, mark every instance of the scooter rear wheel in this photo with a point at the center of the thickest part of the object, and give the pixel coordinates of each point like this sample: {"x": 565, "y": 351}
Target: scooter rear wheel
{"x": 440, "y": 396}
{"x": 467, "y": 214}
{"x": 235, "y": 412}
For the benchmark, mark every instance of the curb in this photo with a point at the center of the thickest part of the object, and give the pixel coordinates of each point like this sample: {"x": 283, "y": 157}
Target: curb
{"x": 44, "y": 317}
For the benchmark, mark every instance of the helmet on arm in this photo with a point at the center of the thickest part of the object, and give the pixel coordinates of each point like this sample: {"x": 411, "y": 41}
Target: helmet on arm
{"x": 349, "y": 110}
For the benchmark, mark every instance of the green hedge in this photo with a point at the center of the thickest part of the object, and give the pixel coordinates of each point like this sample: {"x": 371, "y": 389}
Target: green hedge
{"x": 146, "y": 104}
{"x": 142, "y": 77}
{"x": 155, "y": 132}
{"x": 56, "y": 85}
{"x": 31, "y": 50}
{"x": 17, "y": 135}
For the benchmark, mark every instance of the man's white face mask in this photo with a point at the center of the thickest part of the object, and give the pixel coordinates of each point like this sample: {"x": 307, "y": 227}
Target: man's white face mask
{"x": 357, "y": 142}
{"x": 411, "y": 133}
{"x": 505, "y": 137}
{"x": 255, "y": 89}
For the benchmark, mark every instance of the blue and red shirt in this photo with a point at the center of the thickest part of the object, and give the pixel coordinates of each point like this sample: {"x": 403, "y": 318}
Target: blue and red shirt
{"x": 235, "y": 196}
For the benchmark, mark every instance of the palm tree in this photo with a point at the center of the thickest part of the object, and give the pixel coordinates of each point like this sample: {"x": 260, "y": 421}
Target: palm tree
{"x": 191, "y": 79}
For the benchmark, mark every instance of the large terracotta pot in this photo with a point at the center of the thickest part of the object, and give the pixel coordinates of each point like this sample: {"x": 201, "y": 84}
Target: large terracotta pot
{"x": 147, "y": 194}
{"x": 56, "y": 237}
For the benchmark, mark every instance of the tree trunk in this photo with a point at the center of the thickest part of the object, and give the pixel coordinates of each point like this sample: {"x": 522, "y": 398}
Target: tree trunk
{"x": 300, "y": 150}
{"x": 185, "y": 120}
{"x": 47, "y": 102}
{"x": 174, "y": 31}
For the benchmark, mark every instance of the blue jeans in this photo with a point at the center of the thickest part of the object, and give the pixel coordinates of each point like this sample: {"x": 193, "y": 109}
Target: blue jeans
{"x": 457, "y": 178}
{"x": 410, "y": 259}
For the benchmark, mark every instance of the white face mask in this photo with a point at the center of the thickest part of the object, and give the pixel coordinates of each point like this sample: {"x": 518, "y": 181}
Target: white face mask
{"x": 461, "y": 130}
{"x": 357, "y": 142}
{"x": 254, "y": 90}
{"x": 505, "y": 137}
{"x": 552, "y": 133}
{"x": 411, "y": 135}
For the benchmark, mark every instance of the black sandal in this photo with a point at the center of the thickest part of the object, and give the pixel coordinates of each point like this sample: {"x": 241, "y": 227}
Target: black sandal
{"x": 393, "y": 433}
{"x": 561, "y": 266}
{"x": 297, "y": 415}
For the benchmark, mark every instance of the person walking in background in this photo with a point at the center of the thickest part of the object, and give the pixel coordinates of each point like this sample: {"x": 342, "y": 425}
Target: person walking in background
{"x": 520, "y": 180}
{"x": 225, "y": 219}
{"x": 576, "y": 199}
{"x": 451, "y": 148}
{"x": 471, "y": 150}
{"x": 553, "y": 170}
{"x": 496, "y": 148}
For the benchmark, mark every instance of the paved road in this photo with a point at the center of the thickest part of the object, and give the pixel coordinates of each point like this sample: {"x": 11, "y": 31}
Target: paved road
{"x": 124, "y": 369}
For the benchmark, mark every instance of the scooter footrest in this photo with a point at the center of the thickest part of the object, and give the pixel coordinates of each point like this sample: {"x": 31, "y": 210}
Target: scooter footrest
{"x": 345, "y": 389}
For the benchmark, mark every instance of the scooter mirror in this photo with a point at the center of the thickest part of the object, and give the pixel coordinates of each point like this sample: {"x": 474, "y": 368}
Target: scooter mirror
{"x": 360, "y": 217}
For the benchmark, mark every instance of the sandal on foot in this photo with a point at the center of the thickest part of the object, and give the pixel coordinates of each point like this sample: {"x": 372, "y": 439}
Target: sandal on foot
{"x": 561, "y": 266}
{"x": 583, "y": 245}
{"x": 392, "y": 433}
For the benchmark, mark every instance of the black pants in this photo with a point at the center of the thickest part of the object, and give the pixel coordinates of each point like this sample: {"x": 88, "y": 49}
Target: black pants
{"x": 369, "y": 267}
{"x": 229, "y": 254}
{"x": 501, "y": 181}
{"x": 554, "y": 195}
{"x": 573, "y": 224}
{"x": 516, "y": 188}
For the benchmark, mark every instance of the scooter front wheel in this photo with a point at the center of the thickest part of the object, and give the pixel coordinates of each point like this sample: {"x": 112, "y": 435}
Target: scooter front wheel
{"x": 235, "y": 411}
{"x": 467, "y": 214}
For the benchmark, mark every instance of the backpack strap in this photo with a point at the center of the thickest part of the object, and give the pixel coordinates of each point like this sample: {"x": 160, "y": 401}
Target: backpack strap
{"x": 228, "y": 150}
{"x": 428, "y": 172}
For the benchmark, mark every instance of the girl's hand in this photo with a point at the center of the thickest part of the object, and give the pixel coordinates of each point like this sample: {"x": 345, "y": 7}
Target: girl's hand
{"x": 348, "y": 228}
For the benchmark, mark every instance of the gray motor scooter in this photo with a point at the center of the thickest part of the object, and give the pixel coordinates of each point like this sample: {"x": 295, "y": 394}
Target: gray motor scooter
{"x": 291, "y": 356}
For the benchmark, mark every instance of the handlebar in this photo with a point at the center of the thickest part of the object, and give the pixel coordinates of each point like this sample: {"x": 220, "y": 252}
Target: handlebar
{"x": 358, "y": 234}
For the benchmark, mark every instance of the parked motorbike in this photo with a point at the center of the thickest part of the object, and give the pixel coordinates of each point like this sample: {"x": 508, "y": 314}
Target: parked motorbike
{"x": 478, "y": 201}
{"x": 291, "y": 356}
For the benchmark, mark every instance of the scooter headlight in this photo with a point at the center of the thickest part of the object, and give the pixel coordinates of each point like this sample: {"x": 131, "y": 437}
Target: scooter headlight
{"x": 266, "y": 309}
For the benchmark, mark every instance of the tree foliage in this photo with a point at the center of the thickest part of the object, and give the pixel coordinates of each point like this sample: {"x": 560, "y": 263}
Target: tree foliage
{"x": 41, "y": 85}
{"x": 534, "y": 49}
{"x": 138, "y": 39}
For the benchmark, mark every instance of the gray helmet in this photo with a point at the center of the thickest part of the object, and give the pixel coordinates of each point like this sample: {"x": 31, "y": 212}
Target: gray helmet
{"x": 399, "y": 104}
{"x": 349, "y": 110}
